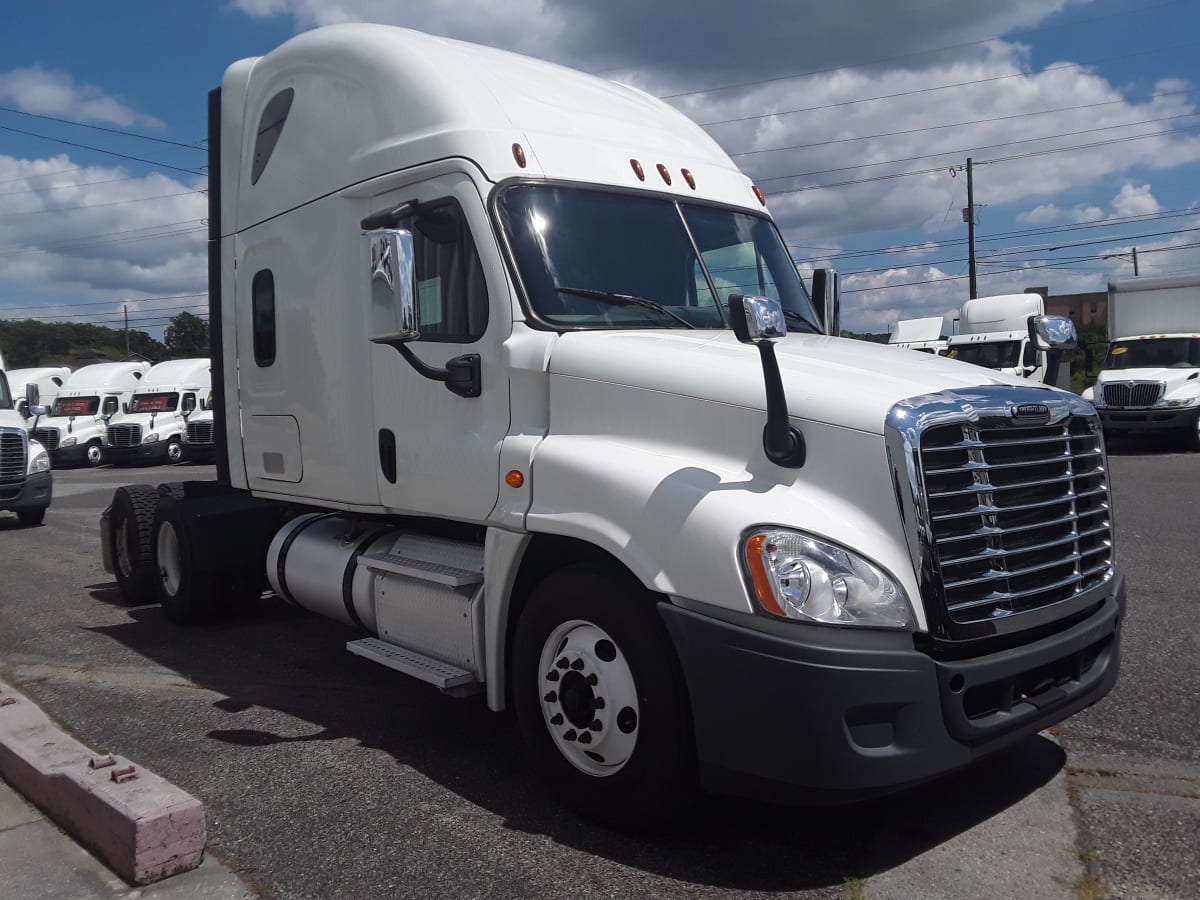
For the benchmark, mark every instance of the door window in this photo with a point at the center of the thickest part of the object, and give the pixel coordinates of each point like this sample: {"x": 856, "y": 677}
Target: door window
{"x": 451, "y": 292}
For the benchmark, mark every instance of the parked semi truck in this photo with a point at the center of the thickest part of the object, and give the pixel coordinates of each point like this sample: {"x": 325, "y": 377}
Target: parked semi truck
{"x": 156, "y": 416}
{"x": 199, "y": 443}
{"x": 1150, "y": 381}
{"x": 49, "y": 380}
{"x": 74, "y": 430}
{"x": 995, "y": 332}
{"x": 26, "y": 485}
{"x": 486, "y": 393}
{"x": 923, "y": 335}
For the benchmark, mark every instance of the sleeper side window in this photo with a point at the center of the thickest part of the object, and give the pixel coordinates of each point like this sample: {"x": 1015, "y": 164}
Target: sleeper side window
{"x": 451, "y": 291}
{"x": 262, "y": 291}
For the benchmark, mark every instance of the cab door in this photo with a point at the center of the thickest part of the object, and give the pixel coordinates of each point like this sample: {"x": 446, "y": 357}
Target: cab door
{"x": 437, "y": 452}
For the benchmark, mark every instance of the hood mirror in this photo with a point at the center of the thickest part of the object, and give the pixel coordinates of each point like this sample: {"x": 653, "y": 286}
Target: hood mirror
{"x": 760, "y": 321}
{"x": 1052, "y": 333}
{"x": 827, "y": 298}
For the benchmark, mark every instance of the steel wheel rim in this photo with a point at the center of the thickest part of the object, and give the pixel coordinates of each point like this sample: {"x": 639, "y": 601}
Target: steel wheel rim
{"x": 174, "y": 452}
{"x": 93, "y": 454}
{"x": 589, "y": 698}
{"x": 124, "y": 561}
{"x": 170, "y": 569}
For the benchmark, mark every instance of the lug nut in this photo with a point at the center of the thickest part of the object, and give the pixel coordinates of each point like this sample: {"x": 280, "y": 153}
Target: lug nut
{"x": 585, "y": 738}
{"x": 556, "y": 719}
{"x": 551, "y": 697}
{"x": 552, "y": 675}
{"x": 577, "y": 665}
{"x": 596, "y": 725}
{"x": 562, "y": 663}
{"x": 592, "y": 679}
{"x": 569, "y": 734}
{"x": 598, "y": 703}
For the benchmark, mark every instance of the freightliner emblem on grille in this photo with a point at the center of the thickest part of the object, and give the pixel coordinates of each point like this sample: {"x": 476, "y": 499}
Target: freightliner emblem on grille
{"x": 1031, "y": 413}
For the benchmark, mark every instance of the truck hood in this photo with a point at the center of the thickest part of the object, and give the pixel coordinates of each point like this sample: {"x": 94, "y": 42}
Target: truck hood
{"x": 836, "y": 381}
{"x": 1172, "y": 377}
{"x": 10, "y": 418}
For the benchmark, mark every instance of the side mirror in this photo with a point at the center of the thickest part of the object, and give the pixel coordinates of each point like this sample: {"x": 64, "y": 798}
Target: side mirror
{"x": 827, "y": 298}
{"x": 1052, "y": 333}
{"x": 394, "y": 313}
{"x": 761, "y": 319}
{"x": 36, "y": 411}
{"x": 124, "y": 407}
{"x": 33, "y": 395}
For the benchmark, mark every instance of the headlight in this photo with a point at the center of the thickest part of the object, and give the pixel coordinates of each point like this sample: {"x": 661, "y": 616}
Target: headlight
{"x": 39, "y": 462}
{"x": 68, "y": 441}
{"x": 1178, "y": 404}
{"x": 796, "y": 576}
{"x": 1088, "y": 394}
{"x": 150, "y": 438}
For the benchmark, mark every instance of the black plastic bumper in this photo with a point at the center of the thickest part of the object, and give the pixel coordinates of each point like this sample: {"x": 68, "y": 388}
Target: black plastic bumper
{"x": 157, "y": 450}
{"x": 1149, "y": 419}
{"x": 64, "y": 457}
{"x": 834, "y": 715}
{"x": 200, "y": 452}
{"x": 36, "y": 491}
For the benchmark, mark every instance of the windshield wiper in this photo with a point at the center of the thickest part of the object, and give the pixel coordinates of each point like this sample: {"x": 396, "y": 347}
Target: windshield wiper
{"x": 796, "y": 317}
{"x": 625, "y": 300}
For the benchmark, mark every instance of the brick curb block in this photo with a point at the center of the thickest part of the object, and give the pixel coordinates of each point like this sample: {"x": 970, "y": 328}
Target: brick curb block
{"x": 143, "y": 827}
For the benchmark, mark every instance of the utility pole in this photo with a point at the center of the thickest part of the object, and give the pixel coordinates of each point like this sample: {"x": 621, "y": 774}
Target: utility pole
{"x": 125, "y": 309}
{"x": 969, "y": 214}
{"x": 1135, "y": 268}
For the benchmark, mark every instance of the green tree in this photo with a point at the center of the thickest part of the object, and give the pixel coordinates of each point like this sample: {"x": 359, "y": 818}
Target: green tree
{"x": 186, "y": 336}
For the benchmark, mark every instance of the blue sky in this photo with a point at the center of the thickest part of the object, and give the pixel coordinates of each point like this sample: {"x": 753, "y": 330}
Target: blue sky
{"x": 83, "y": 233}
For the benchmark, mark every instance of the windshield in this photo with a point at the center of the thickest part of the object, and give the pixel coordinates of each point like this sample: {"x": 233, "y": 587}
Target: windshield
{"x": 598, "y": 259}
{"x": 148, "y": 403}
{"x": 75, "y": 406}
{"x": 6, "y": 401}
{"x": 994, "y": 355}
{"x": 1154, "y": 353}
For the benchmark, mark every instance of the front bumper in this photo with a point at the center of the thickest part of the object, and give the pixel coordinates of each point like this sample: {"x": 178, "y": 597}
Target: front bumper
{"x": 834, "y": 715}
{"x": 199, "y": 452}
{"x": 156, "y": 451}
{"x": 1149, "y": 419}
{"x": 64, "y": 457}
{"x": 36, "y": 491}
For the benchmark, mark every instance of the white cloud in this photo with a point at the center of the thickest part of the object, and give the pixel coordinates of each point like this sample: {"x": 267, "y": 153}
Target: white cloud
{"x": 51, "y": 92}
{"x": 1040, "y": 215}
{"x": 1135, "y": 201}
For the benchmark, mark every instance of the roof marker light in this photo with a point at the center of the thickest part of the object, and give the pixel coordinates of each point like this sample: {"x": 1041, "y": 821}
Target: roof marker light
{"x": 689, "y": 178}
{"x": 519, "y": 155}
{"x": 759, "y": 194}
{"x": 637, "y": 169}
{"x": 662, "y": 170}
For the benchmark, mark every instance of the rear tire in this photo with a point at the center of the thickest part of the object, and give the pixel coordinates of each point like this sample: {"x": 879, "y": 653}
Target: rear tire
{"x": 132, "y": 519}
{"x": 600, "y": 698}
{"x": 187, "y": 595}
{"x": 31, "y": 517}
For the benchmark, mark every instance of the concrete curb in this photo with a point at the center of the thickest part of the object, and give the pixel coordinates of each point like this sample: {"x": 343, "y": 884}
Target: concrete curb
{"x": 144, "y": 828}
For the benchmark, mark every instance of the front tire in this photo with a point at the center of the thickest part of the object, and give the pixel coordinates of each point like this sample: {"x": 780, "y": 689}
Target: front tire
{"x": 31, "y": 517}
{"x": 95, "y": 454}
{"x": 174, "y": 452}
{"x": 600, "y": 699}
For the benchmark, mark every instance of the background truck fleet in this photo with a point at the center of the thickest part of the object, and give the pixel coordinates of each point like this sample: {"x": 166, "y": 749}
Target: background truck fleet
{"x": 513, "y": 373}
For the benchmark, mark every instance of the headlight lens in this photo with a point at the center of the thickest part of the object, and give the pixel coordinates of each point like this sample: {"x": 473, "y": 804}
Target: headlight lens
{"x": 68, "y": 441}
{"x": 796, "y": 576}
{"x": 40, "y": 462}
{"x": 150, "y": 438}
{"x": 1178, "y": 404}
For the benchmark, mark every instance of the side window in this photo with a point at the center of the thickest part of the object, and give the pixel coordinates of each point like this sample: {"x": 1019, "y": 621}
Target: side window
{"x": 110, "y": 407}
{"x": 262, "y": 292}
{"x": 451, "y": 291}
{"x": 270, "y": 126}
{"x": 1030, "y": 358}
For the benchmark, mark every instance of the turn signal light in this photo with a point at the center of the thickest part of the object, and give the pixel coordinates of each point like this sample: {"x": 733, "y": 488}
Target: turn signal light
{"x": 759, "y": 194}
{"x": 755, "y": 551}
{"x": 519, "y": 155}
{"x": 514, "y": 479}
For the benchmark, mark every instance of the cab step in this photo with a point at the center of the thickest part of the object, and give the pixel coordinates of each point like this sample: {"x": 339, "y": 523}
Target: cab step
{"x": 443, "y": 675}
{"x": 420, "y": 569}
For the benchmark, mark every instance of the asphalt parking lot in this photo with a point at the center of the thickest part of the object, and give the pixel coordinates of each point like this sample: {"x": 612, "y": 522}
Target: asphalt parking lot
{"x": 325, "y": 775}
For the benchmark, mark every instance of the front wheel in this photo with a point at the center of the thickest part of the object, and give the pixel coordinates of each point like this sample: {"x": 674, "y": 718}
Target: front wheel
{"x": 31, "y": 516}
{"x": 174, "y": 452}
{"x": 95, "y": 455}
{"x": 600, "y": 698}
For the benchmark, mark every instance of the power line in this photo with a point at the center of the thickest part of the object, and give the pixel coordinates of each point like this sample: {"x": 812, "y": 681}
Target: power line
{"x": 6, "y": 309}
{"x": 149, "y": 162}
{"x": 84, "y": 245}
{"x": 42, "y": 212}
{"x": 89, "y": 238}
{"x": 154, "y": 314}
{"x": 77, "y": 184}
{"x": 122, "y": 132}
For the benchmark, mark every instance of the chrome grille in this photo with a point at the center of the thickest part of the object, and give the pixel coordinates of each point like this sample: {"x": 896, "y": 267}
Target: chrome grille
{"x": 200, "y": 432}
{"x": 1019, "y": 515}
{"x": 1133, "y": 393}
{"x": 124, "y": 435}
{"x": 47, "y": 437}
{"x": 12, "y": 456}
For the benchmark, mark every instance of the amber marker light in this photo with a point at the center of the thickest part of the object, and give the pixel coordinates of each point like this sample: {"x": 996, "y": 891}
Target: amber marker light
{"x": 519, "y": 155}
{"x": 637, "y": 169}
{"x": 756, "y": 549}
{"x": 662, "y": 170}
{"x": 759, "y": 194}
{"x": 514, "y": 479}
{"x": 689, "y": 178}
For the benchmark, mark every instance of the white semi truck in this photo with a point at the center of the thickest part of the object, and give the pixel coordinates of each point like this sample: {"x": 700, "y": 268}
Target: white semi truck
{"x": 995, "y": 332}
{"x": 923, "y": 335}
{"x": 199, "y": 442}
{"x": 49, "y": 380}
{"x": 1150, "y": 381}
{"x": 74, "y": 430}
{"x": 156, "y": 416}
{"x": 26, "y": 485}
{"x": 515, "y": 377}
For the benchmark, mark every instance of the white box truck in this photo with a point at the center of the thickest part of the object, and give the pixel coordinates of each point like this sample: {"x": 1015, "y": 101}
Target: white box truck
{"x": 156, "y": 417}
{"x": 995, "y": 332}
{"x": 923, "y": 335}
{"x": 26, "y": 485}
{"x": 1150, "y": 381}
{"x": 49, "y": 380}
{"x": 515, "y": 376}
{"x": 74, "y": 430}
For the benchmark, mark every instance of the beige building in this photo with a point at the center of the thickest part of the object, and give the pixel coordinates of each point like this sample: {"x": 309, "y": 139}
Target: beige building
{"x": 1082, "y": 309}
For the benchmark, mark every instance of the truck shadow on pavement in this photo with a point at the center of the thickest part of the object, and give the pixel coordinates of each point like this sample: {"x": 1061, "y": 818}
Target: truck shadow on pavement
{"x": 277, "y": 660}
